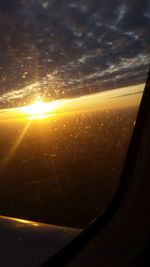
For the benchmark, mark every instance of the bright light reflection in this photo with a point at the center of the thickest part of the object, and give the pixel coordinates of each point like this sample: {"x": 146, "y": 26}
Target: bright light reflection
{"x": 26, "y": 222}
{"x": 22, "y": 221}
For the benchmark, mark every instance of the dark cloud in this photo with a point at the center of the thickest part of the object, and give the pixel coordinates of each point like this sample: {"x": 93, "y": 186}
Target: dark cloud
{"x": 67, "y": 48}
{"x": 123, "y": 95}
{"x": 9, "y": 6}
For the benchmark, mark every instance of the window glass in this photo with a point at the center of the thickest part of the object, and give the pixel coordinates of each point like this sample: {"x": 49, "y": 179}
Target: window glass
{"x": 72, "y": 75}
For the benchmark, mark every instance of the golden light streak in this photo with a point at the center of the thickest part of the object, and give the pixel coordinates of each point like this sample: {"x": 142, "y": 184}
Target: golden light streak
{"x": 38, "y": 110}
{"x": 14, "y": 148}
{"x": 21, "y": 221}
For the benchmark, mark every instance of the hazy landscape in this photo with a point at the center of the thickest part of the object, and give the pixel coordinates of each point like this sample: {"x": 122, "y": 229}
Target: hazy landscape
{"x": 65, "y": 169}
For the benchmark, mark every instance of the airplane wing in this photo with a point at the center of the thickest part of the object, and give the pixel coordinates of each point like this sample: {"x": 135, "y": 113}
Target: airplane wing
{"x": 28, "y": 243}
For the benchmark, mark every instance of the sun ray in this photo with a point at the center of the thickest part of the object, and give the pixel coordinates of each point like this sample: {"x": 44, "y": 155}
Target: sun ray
{"x": 14, "y": 148}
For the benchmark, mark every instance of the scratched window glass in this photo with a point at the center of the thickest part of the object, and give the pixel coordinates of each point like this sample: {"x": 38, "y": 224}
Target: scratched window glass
{"x": 72, "y": 75}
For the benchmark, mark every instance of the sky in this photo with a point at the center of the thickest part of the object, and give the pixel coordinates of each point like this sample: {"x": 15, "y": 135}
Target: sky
{"x": 70, "y": 48}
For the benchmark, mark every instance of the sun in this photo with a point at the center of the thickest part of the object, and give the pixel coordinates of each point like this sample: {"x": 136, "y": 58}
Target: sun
{"x": 40, "y": 109}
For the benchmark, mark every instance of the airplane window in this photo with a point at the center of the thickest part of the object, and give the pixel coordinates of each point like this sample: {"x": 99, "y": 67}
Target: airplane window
{"x": 72, "y": 75}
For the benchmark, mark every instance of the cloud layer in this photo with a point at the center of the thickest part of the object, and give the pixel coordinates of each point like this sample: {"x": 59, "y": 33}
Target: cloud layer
{"x": 69, "y": 48}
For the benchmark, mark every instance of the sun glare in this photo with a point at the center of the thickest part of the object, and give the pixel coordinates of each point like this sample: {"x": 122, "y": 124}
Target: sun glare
{"x": 40, "y": 109}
